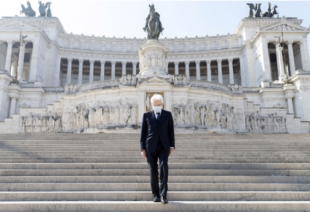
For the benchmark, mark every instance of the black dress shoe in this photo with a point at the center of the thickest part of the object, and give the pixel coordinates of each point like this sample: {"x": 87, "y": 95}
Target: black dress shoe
{"x": 156, "y": 199}
{"x": 163, "y": 199}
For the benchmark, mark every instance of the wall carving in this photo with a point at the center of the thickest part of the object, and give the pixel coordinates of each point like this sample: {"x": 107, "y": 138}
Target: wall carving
{"x": 208, "y": 114}
{"x": 35, "y": 123}
{"x": 100, "y": 115}
{"x": 271, "y": 123}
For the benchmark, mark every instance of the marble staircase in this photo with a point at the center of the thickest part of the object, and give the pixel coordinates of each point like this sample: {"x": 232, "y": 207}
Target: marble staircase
{"x": 105, "y": 172}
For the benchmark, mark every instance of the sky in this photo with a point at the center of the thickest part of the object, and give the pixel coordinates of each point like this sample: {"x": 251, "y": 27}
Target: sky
{"x": 179, "y": 18}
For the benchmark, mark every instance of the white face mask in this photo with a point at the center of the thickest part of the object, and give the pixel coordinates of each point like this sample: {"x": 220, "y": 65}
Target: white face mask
{"x": 157, "y": 109}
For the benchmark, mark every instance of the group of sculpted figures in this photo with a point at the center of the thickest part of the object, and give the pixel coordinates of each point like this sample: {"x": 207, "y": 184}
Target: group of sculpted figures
{"x": 34, "y": 123}
{"x": 100, "y": 115}
{"x": 209, "y": 115}
{"x": 29, "y": 12}
{"x": 153, "y": 59}
{"x": 269, "y": 13}
{"x": 271, "y": 123}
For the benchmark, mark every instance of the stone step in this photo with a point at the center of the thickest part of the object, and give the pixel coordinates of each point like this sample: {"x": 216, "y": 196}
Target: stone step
{"x": 146, "y": 187}
{"x": 147, "y": 196}
{"x": 142, "y": 206}
{"x": 130, "y": 172}
{"x": 146, "y": 179}
{"x": 304, "y": 159}
{"x": 229, "y": 166}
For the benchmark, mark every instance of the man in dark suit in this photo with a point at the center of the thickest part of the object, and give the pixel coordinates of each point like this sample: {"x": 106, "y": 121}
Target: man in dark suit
{"x": 157, "y": 141}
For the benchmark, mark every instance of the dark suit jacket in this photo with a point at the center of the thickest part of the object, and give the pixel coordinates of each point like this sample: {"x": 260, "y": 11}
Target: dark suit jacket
{"x": 151, "y": 131}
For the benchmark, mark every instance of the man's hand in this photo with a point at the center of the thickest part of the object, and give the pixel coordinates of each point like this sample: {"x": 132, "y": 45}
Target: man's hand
{"x": 171, "y": 150}
{"x": 143, "y": 153}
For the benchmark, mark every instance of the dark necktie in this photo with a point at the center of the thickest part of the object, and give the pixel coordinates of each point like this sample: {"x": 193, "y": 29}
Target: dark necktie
{"x": 158, "y": 117}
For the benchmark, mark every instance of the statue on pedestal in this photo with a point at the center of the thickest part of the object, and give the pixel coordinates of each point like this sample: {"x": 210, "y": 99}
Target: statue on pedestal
{"x": 49, "y": 12}
{"x": 29, "y": 12}
{"x": 153, "y": 25}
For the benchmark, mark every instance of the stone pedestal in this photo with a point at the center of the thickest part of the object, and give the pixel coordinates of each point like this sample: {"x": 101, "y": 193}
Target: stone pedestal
{"x": 152, "y": 56}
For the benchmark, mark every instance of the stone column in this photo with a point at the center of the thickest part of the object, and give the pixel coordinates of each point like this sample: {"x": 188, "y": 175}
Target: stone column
{"x": 282, "y": 75}
{"x": 13, "y": 106}
{"x": 124, "y": 68}
{"x": 34, "y": 62}
{"x": 219, "y": 68}
{"x": 91, "y": 71}
{"x": 266, "y": 61}
{"x": 167, "y": 67}
{"x": 209, "y": 76}
{"x": 113, "y": 69}
{"x": 291, "y": 57}
{"x": 176, "y": 67}
{"x": 187, "y": 69}
{"x": 69, "y": 70}
{"x": 231, "y": 71}
{"x": 8, "y": 56}
{"x": 57, "y": 72}
{"x": 197, "y": 69}
{"x": 304, "y": 54}
{"x": 244, "y": 83}
{"x": 134, "y": 68}
{"x": 80, "y": 77}
{"x": 15, "y": 66}
{"x": 102, "y": 70}
{"x": 21, "y": 62}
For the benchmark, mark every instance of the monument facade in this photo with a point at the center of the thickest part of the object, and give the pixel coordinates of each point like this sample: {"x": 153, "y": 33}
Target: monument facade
{"x": 256, "y": 80}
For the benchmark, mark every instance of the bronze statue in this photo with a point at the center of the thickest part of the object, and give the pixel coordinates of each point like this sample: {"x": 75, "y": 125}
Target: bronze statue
{"x": 258, "y": 11}
{"x": 153, "y": 25}
{"x": 49, "y": 12}
{"x": 268, "y": 11}
{"x": 42, "y": 8}
{"x": 29, "y": 12}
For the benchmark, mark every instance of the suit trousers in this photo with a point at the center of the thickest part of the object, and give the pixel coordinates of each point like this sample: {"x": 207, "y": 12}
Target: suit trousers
{"x": 152, "y": 158}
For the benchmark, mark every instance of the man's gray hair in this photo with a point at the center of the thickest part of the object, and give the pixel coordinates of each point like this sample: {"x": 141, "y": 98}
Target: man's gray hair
{"x": 157, "y": 97}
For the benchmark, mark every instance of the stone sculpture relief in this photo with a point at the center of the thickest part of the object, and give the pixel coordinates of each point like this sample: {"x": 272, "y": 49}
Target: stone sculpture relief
{"x": 271, "y": 123}
{"x": 71, "y": 88}
{"x": 235, "y": 88}
{"x": 208, "y": 114}
{"x": 35, "y": 123}
{"x": 179, "y": 79}
{"x": 153, "y": 59}
{"x": 128, "y": 80}
{"x": 100, "y": 115}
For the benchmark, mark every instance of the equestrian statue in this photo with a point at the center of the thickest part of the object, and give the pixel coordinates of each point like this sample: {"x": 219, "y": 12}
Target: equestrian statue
{"x": 269, "y": 13}
{"x": 153, "y": 25}
{"x": 42, "y": 8}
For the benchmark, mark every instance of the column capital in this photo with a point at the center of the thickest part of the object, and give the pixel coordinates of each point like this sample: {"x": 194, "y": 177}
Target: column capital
{"x": 176, "y": 62}
{"x": 92, "y": 61}
{"x": 81, "y": 60}
{"x": 9, "y": 42}
{"x": 102, "y": 62}
{"x": 113, "y": 62}
{"x": 134, "y": 63}
{"x": 197, "y": 62}
{"x": 187, "y": 62}
{"x": 70, "y": 60}
{"x": 230, "y": 59}
{"x": 290, "y": 42}
{"x": 124, "y": 63}
{"x": 219, "y": 60}
{"x": 208, "y": 61}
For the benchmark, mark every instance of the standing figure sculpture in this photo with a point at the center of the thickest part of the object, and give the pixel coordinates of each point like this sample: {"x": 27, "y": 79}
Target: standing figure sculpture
{"x": 29, "y": 12}
{"x": 49, "y": 12}
{"x": 42, "y": 8}
{"x": 252, "y": 7}
{"x": 258, "y": 11}
{"x": 153, "y": 25}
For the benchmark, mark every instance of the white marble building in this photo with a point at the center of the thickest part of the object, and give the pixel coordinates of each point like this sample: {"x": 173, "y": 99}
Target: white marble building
{"x": 228, "y": 83}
